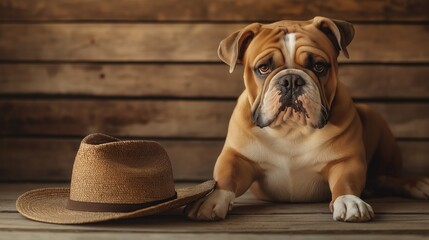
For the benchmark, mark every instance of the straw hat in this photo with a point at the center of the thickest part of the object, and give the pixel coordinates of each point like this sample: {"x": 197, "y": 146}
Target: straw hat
{"x": 112, "y": 179}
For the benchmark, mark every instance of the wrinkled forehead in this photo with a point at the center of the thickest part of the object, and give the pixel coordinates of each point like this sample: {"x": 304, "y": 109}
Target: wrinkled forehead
{"x": 307, "y": 37}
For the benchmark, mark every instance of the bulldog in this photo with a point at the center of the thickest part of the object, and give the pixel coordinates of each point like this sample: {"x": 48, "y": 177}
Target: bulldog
{"x": 295, "y": 134}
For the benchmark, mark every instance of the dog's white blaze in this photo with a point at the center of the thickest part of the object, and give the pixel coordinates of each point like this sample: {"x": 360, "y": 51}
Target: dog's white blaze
{"x": 290, "y": 40}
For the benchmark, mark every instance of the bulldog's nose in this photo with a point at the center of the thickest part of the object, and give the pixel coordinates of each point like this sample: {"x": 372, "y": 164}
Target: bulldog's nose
{"x": 292, "y": 81}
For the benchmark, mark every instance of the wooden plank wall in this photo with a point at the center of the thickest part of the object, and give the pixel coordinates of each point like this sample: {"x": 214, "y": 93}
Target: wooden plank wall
{"x": 148, "y": 69}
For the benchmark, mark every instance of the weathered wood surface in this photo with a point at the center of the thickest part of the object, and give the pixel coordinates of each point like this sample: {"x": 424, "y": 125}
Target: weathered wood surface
{"x": 162, "y": 118}
{"x": 192, "y": 80}
{"x": 44, "y": 159}
{"x": 393, "y": 216}
{"x": 396, "y": 218}
{"x": 273, "y": 223}
{"x": 208, "y": 10}
{"x": 246, "y": 204}
{"x": 183, "y": 42}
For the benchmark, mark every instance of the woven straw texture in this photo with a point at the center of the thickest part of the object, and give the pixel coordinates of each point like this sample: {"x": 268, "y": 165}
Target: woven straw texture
{"x": 110, "y": 171}
{"x": 49, "y": 205}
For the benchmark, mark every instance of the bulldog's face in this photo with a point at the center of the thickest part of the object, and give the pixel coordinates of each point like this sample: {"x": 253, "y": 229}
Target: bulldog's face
{"x": 290, "y": 69}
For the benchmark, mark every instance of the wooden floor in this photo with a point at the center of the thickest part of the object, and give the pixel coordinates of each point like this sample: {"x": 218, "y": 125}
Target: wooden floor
{"x": 251, "y": 219}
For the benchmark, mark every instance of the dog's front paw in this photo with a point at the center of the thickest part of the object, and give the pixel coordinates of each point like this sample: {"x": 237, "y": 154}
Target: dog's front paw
{"x": 213, "y": 207}
{"x": 349, "y": 208}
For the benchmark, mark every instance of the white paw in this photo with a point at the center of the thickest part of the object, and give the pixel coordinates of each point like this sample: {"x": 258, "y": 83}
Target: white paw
{"x": 349, "y": 208}
{"x": 213, "y": 207}
{"x": 420, "y": 190}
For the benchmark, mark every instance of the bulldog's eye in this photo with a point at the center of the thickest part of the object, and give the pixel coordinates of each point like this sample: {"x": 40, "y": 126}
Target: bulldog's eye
{"x": 320, "y": 67}
{"x": 264, "y": 69}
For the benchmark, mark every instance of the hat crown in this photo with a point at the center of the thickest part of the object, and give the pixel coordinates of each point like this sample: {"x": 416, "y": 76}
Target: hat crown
{"x": 107, "y": 170}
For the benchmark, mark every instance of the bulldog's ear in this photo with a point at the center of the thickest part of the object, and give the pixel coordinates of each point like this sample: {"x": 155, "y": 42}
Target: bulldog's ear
{"x": 231, "y": 49}
{"x": 340, "y": 32}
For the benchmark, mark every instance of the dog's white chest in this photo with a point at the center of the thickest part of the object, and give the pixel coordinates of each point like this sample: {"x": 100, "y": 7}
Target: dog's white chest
{"x": 289, "y": 174}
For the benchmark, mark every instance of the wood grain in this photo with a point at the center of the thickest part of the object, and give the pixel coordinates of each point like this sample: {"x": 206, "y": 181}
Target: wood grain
{"x": 246, "y": 204}
{"x": 405, "y": 218}
{"x": 208, "y": 10}
{"x": 52, "y": 159}
{"x": 117, "y": 117}
{"x": 284, "y": 223}
{"x": 386, "y": 81}
{"x": 192, "y": 80}
{"x": 136, "y": 80}
{"x": 182, "y": 42}
{"x": 252, "y": 206}
{"x": 45, "y": 159}
{"x": 161, "y": 118}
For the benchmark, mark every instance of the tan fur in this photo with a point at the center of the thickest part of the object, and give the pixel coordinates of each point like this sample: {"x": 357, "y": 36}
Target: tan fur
{"x": 290, "y": 161}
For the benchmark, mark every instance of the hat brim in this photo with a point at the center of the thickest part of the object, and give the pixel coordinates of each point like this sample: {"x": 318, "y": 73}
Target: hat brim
{"x": 49, "y": 205}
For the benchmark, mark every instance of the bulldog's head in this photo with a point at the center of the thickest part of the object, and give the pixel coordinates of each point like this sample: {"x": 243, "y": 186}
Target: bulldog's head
{"x": 290, "y": 68}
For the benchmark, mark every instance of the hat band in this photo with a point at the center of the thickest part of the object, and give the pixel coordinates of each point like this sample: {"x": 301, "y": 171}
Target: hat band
{"x": 112, "y": 207}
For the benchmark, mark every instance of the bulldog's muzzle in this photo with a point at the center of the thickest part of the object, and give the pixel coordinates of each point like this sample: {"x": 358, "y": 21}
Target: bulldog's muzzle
{"x": 293, "y": 97}
{"x": 291, "y": 86}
